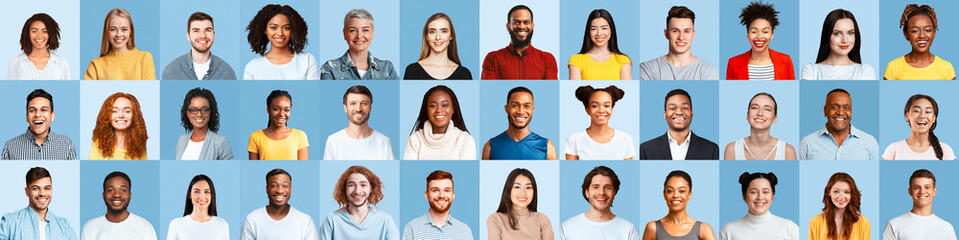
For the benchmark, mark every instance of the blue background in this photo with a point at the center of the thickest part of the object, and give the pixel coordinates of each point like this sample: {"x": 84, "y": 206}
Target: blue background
{"x": 894, "y": 96}
{"x": 815, "y": 175}
{"x": 813, "y": 14}
{"x": 464, "y": 14}
{"x": 144, "y": 185}
{"x": 177, "y": 174}
{"x": 93, "y": 93}
{"x": 228, "y": 42}
{"x": 62, "y": 11}
{"x": 705, "y": 108}
{"x": 412, "y": 96}
{"x": 895, "y": 196}
{"x": 413, "y": 179}
{"x": 734, "y": 105}
{"x": 574, "y": 117}
{"x": 624, "y": 203}
{"x": 304, "y": 196}
{"x": 544, "y": 116}
{"x": 702, "y": 206}
{"x": 387, "y": 171}
{"x": 386, "y": 25}
{"x": 226, "y": 93}
{"x": 573, "y": 23}
{"x": 865, "y": 106}
{"x": 894, "y": 44}
{"x": 546, "y": 34}
{"x": 248, "y": 9}
{"x": 305, "y": 102}
{"x": 65, "y": 105}
{"x": 652, "y": 22}
{"x": 382, "y": 117}
{"x": 66, "y": 188}
{"x": 546, "y": 174}
{"x": 785, "y": 39}
{"x": 146, "y": 21}
{"x": 785, "y": 203}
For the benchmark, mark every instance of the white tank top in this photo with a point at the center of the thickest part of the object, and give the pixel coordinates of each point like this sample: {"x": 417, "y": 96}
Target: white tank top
{"x": 780, "y": 150}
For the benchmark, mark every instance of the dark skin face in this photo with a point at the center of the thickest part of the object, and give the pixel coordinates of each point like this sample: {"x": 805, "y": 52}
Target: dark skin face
{"x": 838, "y": 112}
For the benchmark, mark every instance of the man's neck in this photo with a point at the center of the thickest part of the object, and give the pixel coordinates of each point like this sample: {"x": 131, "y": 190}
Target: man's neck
{"x": 40, "y": 138}
{"x": 596, "y": 215}
{"x": 358, "y": 213}
{"x": 278, "y": 212}
{"x": 200, "y": 58}
{"x": 517, "y": 134}
{"x": 679, "y": 135}
{"x": 439, "y": 218}
{"x": 41, "y": 213}
{"x": 922, "y": 210}
{"x": 839, "y": 136}
{"x": 521, "y": 50}
{"x": 680, "y": 60}
{"x": 358, "y": 131}
{"x": 117, "y": 217}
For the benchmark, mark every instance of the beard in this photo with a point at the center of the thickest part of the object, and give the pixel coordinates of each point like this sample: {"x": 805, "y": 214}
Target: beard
{"x": 199, "y": 50}
{"x": 517, "y": 126}
{"x": 440, "y": 209}
{"x": 119, "y": 211}
{"x": 520, "y": 43}
{"x": 365, "y": 119}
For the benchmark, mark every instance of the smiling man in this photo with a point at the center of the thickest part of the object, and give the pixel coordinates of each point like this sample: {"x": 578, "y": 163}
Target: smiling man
{"x": 437, "y": 222}
{"x": 278, "y": 220}
{"x": 518, "y": 142}
{"x": 358, "y": 141}
{"x": 36, "y": 221}
{"x": 199, "y": 63}
{"x": 679, "y": 63}
{"x": 519, "y": 60}
{"x": 599, "y": 223}
{"x": 920, "y": 222}
{"x": 838, "y": 140}
{"x": 679, "y": 142}
{"x": 357, "y": 191}
{"x": 39, "y": 142}
{"x": 118, "y": 222}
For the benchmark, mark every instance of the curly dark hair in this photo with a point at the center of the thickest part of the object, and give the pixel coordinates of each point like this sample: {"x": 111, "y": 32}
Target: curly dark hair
{"x": 258, "y": 40}
{"x": 759, "y": 10}
{"x": 583, "y": 93}
{"x": 53, "y": 32}
{"x": 214, "y": 122}
{"x": 913, "y": 10}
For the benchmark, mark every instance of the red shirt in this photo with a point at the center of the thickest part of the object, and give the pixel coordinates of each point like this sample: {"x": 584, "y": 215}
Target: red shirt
{"x": 738, "y": 67}
{"x": 507, "y": 64}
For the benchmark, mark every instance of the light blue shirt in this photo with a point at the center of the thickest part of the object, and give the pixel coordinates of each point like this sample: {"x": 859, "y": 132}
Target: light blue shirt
{"x": 821, "y": 145}
{"x": 377, "y": 225}
{"x": 424, "y": 228}
{"x": 23, "y": 225}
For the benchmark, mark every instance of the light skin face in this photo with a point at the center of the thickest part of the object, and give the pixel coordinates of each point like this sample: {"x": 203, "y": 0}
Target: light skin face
{"x": 358, "y": 189}
{"x": 680, "y": 33}
{"x": 599, "y": 32}
{"x": 201, "y": 35}
{"x": 920, "y": 33}
{"x": 761, "y": 114}
{"x": 677, "y": 194}
{"x": 521, "y": 194}
{"x": 116, "y": 194}
{"x": 279, "y": 188}
{"x": 438, "y": 35}
{"x": 679, "y": 112}
{"x": 838, "y": 111}
{"x": 759, "y": 196}
{"x": 921, "y": 116}
{"x": 199, "y": 113}
{"x": 840, "y": 194}
{"x": 600, "y": 108}
{"x": 120, "y": 31}
{"x": 520, "y": 109}
{"x": 759, "y": 34}
{"x": 40, "y": 193}
{"x": 279, "y": 110}
{"x": 843, "y": 37}
{"x": 39, "y": 116}
{"x": 440, "y": 194}
{"x": 439, "y": 110}
{"x": 357, "y": 108}
{"x": 201, "y": 196}
{"x": 38, "y": 35}
{"x": 601, "y": 192}
{"x": 279, "y": 31}
{"x": 122, "y": 114}
{"x": 358, "y": 34}
{"x": 922, "y": 191}
{"x": 521, "y": 25}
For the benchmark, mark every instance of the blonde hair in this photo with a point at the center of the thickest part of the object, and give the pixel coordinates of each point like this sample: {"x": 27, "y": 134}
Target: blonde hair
{"x": 105, "y": 42}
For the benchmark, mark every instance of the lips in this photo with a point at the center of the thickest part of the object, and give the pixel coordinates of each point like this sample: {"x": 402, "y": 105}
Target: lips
{"x": 679, "y": 119}
{"x": 759, "y": 44}
{"x": 38, "y": 122}
{"x": 681, "y": 44}
{"x": 759, "y": 120}
{"x": 843, "y": 47}
{"x": 923, "y": 123}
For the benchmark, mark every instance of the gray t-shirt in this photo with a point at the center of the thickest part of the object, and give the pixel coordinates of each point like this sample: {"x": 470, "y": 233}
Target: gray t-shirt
{"x": 660, "y": 69}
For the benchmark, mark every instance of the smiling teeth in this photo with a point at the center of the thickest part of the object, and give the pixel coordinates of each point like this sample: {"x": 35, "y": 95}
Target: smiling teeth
{"x": 922, "y": 42}
{"x": 38, "y": 122}
{"x": 759, "y": 120}
{"x": 681, "y": 44}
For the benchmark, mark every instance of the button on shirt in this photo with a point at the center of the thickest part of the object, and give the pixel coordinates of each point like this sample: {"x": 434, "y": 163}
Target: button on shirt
{"x": 507, "y": 64}
{"x": 821, "y": 145}
{"x": 24, "y": 224}
{"x": 424, "y": 228}
{"x": 678, "y": 150}
{"x": 54, "y": 147}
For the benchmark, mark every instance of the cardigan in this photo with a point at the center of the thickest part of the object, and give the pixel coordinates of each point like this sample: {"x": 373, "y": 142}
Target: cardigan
{"x": 215, "y": 147}
{"x": 738, "y": 67}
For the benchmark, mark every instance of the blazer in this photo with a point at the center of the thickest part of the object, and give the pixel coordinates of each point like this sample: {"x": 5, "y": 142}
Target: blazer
{"x": 215, "y": 147}
{"x": 738, "y": 67}
{"x": 658, "y": 149}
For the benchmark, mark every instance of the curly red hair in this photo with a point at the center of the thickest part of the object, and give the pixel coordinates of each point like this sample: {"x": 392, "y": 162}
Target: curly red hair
{"x": 105, "y": 139}
{"x": 376, "y": 186}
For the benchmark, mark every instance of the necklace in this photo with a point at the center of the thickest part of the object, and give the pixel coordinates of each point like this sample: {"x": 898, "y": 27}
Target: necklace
{"x": 771, "y": 151}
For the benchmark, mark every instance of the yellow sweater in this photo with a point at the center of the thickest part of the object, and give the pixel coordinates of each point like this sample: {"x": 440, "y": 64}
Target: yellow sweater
{"x": 818, "y": 230}
{"x": 129, "y": 65}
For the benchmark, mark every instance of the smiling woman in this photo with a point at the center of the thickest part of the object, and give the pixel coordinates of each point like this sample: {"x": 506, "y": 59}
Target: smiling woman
{"x": 760, "y": 62}
{"x": 439, "y": 131}
{"x": 516, "y": 217}
{"x": 600, "y": 58}
{"x": 841, "y": 217}
{"x": 919, "y": 26}
{"x": 438, "y": 57}
{"x": 119, "y": 57}
{"x": 284, "y": 30}
{"x": 278, "y": 141}
{"x": 920, "y": 113}
{"x": 677, "y": 224}
{"x": 759, "y": 190}
{"x": 599, "y": 141}
{"x": 120, "y": 132}
{"x": 39, "y": 37}
{"x": 199, "y": 220}
{"x": 200, "y": 117}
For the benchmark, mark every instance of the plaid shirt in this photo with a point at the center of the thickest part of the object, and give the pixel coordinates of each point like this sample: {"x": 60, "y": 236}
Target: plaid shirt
{"x": 54, "y": 147}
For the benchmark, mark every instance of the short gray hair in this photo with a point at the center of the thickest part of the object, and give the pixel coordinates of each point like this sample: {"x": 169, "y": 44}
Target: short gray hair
{"x": 357, "y": 13}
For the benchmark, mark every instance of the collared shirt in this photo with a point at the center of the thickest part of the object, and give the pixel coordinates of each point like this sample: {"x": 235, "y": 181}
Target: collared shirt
{"x": 423, "y": 227}
{"x": 342, "y": 68}
{"x": 678, "y": 150}
{"x": 821, "y": 145}
{"x": 54, "y": 147}
{"x": 24, "y": 224}
{"x": 507, "y": 64}
{"x": 21, "y": 68}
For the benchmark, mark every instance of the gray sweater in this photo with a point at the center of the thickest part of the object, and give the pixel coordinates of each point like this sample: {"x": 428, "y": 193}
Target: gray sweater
{"x": 181, "y": 68}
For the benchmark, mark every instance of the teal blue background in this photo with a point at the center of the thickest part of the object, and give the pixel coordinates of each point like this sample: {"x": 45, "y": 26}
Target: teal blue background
{"x": 176, "y": 176}
{"x": 413, "y": 184}
{"x": 702, "y": 206}
{"x": 146, "y": 22}
{"x": 144, "y": 189}
{"x": 785, "y": 39}
{"x": 734, "y": 105}
{"x": 815, "y": 175}
{"x": 544, "y": 116}
{"x": 463, "y": 13}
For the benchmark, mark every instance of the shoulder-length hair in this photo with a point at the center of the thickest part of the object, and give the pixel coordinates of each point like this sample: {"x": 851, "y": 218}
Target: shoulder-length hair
{"x": 451, "y": 51}
{"x": 136, "y": 137}
{"x": 213, "y": 123}
{"x": 376, "y": 186}
{"x": 105, "y": 46}
{"x": 506, "y": 204}
{"x": 53, "y": 33}
{"x": 258, "y": 40}
{"x": 933, "y": 140}
{"x": 612, "y": 44}
{"x": 828, "y": 25}
{"x": 188, "y": 206}
{"x": 850, "y": 214}
{"x": 423, "y": 117}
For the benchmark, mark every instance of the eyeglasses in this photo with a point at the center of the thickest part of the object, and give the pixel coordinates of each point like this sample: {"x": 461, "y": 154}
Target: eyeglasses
{"x": 194, "y": 111}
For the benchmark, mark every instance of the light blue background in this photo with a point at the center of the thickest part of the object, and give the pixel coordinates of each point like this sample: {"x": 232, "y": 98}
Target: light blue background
{"x": 386, "y": 24}
{"x": 546, "y": 174}
{"x": 702, "y": 206}
{"x": 66, "y": 188}
{"x": 894, "y": 96}
{"x": 624, "y": 203}
{"x": 895, "y": 196}
{"x": 93, "y": 93}
{"x": 146, "y": 21}
{"x": 544, "y": 117}
{"x": 303, "y": 116}
{"x": 228, "y": 42}
{"x": 573, "y": 23}
{"x": 865, "y": 105}
{"x": 652, "y": 22}
{"x": 546, "y": 34}
{"x": 814, "y": 13}
{"x": 815, "y": 175}
{"x": 382, "y": 117}
{"x": 176, "y": 176}
{"x": 144, "y": 185}
{"x": 413, "y": 183}
{"x": 464, "y": 14}
{"x": 785, "y": 203}
{"x": 305, "y": 185}
{"x": 705, "y": 108}
{"x": 309, "y": 10}
{"x": 573, "y": 116}
{"x": 65, "y": 105}
{"x": 734, "y": 104}
{"x": 63, "y": 11}
{"x": 387, "y": 171}
{"x": 785, "y": 39}
{"x": 412, "y": 96}
{"x": 227, "y": 95}
{"x": 894, "y": 44}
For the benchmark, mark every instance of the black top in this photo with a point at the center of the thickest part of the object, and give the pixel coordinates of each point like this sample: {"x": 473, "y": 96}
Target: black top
{"x": 415, "y": 71}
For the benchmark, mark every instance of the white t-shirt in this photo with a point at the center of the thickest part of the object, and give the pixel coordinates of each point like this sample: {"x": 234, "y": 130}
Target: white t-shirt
{"x": 910, "y": 226}
{"x": 815, "y": 71}
{"x": 302, "y": 67}
{"x": 192, "y": 150}
{"x": 185, "y": 228}
{"x": 296, "y": 225}
{"x": 580, "y": 227}
{"x": 619, "y": 148}
{"x": 43, "y": 229}
{"x": 133, "y": 228}
{"x": 200, "y": 69}
{"x": 340, "y": 146}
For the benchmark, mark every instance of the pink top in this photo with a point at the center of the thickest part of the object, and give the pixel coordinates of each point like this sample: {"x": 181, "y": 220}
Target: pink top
{"x": 900, "y": 151}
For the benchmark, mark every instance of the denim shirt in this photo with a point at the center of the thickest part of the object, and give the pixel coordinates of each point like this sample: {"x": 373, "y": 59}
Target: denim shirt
{"x": 22, "y": 225}
{"x": 342, "y": 69}
{"x": 181, "y": 68}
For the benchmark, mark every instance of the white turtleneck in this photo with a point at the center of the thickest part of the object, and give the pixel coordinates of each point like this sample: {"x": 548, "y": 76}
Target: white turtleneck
{"x": 455, "y": 144}
{"x": 766, "y": 226}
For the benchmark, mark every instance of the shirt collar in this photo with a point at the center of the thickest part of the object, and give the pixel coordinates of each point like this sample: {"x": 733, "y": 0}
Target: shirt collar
{"x": 449, "y": 220}
{"x": 673, "y": 141}
{"x": 53, "y": 59}
{"x": 529, "y": 50}
{"x": 347, "y": 63}
{"x": 853, "y": 131}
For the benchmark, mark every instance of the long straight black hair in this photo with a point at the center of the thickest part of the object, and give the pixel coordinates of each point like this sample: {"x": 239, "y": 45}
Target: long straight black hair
{"x": 188, "y": 206}
{"x": 828, "y": 25}
{"x": 506, "y": 204}
{"x": 588, "y": 44}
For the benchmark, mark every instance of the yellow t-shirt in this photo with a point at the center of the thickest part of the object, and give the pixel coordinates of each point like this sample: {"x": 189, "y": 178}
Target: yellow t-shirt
{"x": 592, "y": 70}
{"x": 118, "y": 154}
{"x": 818, "y": 230}
{"x": 940, "y": 69}
{"x": 285, "y": 149}
{"x": 129, "y": 65}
